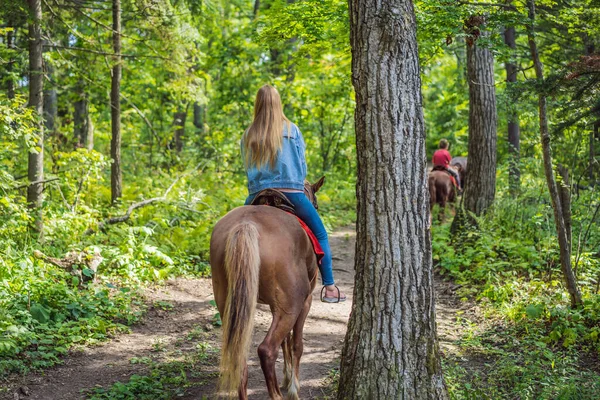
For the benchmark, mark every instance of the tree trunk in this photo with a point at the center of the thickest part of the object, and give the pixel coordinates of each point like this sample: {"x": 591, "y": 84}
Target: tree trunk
{"x": 83, "y": 129}
{"x": 590, "y": 48}
{"x": 199, "y": 119}
{"x": 514, "y": 139}
{"x": 563, "y": 236}
{"x": 35, "y": 169}
{"x": 391, "y": 349}
{"x": 480, "y": 188}
{"x": 179, "y": 125}
{"x": 10, "y": 45}
{"x": 115, "y": 106}
{"x": 594, "y": 136}
{"x": 50, "y": 103}
{"x": 564, "y": 192}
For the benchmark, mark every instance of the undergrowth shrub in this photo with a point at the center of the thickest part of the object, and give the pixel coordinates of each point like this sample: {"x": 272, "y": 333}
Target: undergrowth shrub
{"x": 532, "y": 344}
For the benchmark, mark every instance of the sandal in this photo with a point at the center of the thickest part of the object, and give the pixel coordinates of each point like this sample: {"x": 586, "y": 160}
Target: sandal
{"x": 337, "y": 299}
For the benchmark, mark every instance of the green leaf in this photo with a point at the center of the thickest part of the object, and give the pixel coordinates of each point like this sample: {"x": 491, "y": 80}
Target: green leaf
{"x": 39, "y": 313}
{"x": 88, "y": 272}
{"x": 533, "y": 311}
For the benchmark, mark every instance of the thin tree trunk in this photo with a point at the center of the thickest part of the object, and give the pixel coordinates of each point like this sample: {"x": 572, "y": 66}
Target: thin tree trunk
{"x": 35, "y": 170}
{"x": 50, "y": 103}
{"x": 115, "y": 105}
{"x": 179, "y": 125}
{"x": 514, "y": 134}
{"x": 391, "y": 349}
{"x": 595, "y": 134}
{"x": 199, "y": 119}
{"x": 564, "y": 192}
{"x": 594, "y": 138}
{"x": 83, "y": 129}
{"x": 10, "y": 84}
{"x": 480, "y": 188}
{"x": 563, "y": 237}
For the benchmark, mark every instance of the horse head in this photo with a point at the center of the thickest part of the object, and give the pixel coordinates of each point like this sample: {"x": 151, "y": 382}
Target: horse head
{"x": 311, "y": 189}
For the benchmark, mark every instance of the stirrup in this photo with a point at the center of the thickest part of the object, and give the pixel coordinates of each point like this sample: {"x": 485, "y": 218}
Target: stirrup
{"x": 332, "y": 299}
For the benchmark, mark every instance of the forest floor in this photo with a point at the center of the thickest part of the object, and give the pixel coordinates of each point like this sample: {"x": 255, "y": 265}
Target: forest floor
{"x": 178, "y": 334}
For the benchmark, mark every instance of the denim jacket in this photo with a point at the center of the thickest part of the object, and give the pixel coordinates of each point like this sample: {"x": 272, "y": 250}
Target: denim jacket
{"x": 290, "y": 168}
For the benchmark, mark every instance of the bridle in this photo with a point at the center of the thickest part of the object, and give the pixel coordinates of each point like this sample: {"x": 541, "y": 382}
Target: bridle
{"x": 310, "y": 194}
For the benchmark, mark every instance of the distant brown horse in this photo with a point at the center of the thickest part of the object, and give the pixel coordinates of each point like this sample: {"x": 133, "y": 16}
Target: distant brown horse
{"x": 262, "y": 253}
{"x": 441, "y": 190}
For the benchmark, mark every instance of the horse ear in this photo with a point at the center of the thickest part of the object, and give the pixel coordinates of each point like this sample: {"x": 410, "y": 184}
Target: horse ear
{"x": 318, "y": 185}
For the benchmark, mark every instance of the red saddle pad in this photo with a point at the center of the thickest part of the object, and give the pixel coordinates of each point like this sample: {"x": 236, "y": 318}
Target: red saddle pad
{"x": 316, "y": 245}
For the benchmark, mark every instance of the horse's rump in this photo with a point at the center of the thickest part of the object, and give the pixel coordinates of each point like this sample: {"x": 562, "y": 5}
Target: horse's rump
{"x": 286, "y": 253}
{"x": 441, "y": 187}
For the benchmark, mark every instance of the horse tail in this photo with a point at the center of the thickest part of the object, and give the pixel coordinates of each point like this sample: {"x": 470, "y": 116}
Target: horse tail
{"x": 242, "y": 265}
{"x": 432, "y": 192}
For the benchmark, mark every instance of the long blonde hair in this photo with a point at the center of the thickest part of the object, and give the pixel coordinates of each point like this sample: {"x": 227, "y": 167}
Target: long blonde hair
{"x": 263, "y": 139}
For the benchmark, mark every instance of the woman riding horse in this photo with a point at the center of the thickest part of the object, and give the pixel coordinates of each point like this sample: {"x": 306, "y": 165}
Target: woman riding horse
{"x": 260, "y": 253}
{"x": 273, "y": 153}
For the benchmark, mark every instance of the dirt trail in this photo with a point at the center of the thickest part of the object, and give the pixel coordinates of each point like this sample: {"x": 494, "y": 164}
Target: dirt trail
{"x": 165, "y": 331}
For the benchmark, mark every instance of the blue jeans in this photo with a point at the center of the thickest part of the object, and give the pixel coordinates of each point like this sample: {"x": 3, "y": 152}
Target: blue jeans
{"x": 307, "y": 213}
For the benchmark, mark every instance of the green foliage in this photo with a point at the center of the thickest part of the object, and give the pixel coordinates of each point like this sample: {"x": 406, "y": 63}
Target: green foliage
{"x": 532, "y": 344}
{"x": 165, "y": 380}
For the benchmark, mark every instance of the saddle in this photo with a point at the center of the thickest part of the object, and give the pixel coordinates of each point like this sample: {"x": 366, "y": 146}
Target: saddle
{"x": 276, "y": 198}
{"x": 273, "y": 198}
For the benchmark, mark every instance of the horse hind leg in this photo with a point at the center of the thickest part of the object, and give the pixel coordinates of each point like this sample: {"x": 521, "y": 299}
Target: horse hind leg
{"x": 293, "y": 389}
{"x": 442, "y": 212}
{"x": 269, "y": 349}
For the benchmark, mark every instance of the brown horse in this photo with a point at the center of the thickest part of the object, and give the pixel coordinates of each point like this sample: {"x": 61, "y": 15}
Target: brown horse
{"x": 460, "y": 165}
{"x": 441, "y": 190}
{"x": 260, "y": 253}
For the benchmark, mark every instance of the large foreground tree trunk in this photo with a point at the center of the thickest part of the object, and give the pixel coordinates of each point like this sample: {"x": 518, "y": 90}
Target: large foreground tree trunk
{"x": 480, "y": 180}
{"x": 35, "y": 170}
{"x": 559, "y": 211}
{"x": 116, "y": 180}
{"x": 391, "y": 349}
{"x": 514, "y": 134}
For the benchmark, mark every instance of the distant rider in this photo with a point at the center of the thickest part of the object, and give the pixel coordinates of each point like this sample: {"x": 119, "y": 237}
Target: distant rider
{"x": 441, "y": 159}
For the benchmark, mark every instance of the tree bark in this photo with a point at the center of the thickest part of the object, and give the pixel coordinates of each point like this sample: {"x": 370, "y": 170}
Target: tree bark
{"x": 35, "y": 169}
{"x": 50, "y": 103}
{"x": 179, "y": 125}
{"x": 116, "y": 181}
{"x": 563, "y": 236}
{"x": 83, "y": 129}
{"x": 199, "y": 119}
{"x": 590, "y": 48}
{"x": 564, "y": 192}
{"x": 594, "y": 137}
{"x": 391, "y": 349}
{"x": 514, "y": 134}
{"x": 480, "y": 188}
{"x": 10, "y": 45}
